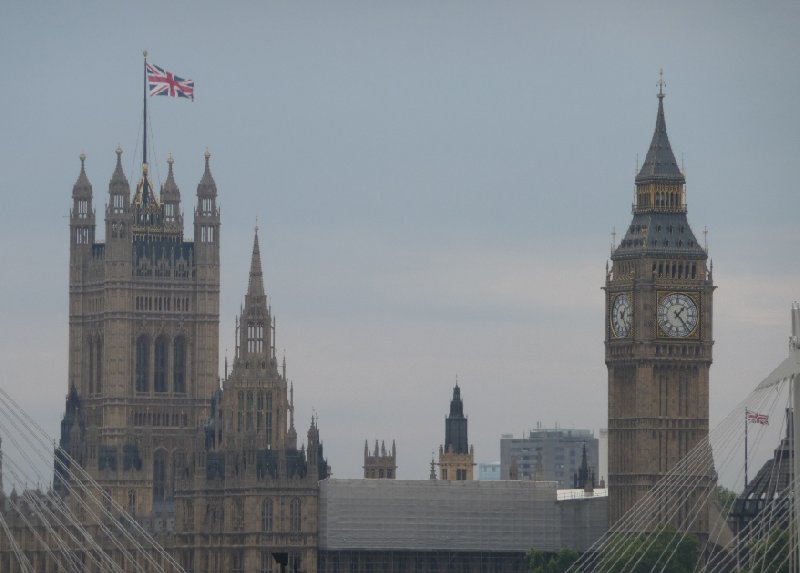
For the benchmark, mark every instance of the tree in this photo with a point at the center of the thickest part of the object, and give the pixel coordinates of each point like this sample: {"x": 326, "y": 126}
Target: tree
{"x": 549, "y": 562}
{"x": 669, "y": 551}
{"x": 770, "y": 554}
{"x": 725, "y": 497}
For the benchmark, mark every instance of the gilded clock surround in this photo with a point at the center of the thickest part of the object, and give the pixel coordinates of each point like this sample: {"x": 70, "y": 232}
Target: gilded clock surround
{"x": 620, "y": 317}
{"x": 691, "y": 323}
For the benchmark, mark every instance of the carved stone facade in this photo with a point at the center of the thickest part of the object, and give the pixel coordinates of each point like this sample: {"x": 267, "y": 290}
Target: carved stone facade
{"x": 215, "y": 472}
{"x": 659, "y": 302}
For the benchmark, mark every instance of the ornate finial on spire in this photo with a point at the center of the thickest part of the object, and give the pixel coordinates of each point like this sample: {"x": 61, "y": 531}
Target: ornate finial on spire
{"x": 661, "y": 83}
{"x": 705, "y": 239}
{"x": 207, "y": 155}
{"x": 118, "y": 150}
{"x": 82, "y": 157}
{"x": 170, "y": 160}
{"x": 256, "y": 224}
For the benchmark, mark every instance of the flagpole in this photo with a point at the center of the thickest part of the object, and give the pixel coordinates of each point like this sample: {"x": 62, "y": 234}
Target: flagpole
{"x": 144, "y": 139}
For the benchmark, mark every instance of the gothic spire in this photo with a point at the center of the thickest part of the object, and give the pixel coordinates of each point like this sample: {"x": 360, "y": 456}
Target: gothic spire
{"x": 660, "y": 163}
{"x": 255, "y": 286}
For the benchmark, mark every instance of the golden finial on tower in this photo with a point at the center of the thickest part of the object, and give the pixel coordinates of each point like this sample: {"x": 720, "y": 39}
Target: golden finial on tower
{"x": 207, "y": 154}
{"x": 82, "y": 157}
{"x": 170, "y": 160}
{"x": 118, "y": 150}
{"x": 661, "y": 83}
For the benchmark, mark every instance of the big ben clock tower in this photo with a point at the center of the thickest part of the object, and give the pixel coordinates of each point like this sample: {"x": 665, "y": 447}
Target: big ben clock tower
{"x": 659, "y": 294}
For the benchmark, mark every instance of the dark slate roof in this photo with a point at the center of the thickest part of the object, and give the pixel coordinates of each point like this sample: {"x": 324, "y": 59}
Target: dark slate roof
{"x": 660, "y": 164}
{"x": 659, "y": 234}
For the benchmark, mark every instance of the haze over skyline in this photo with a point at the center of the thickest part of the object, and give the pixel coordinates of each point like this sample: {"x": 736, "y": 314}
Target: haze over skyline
{"x": 436, "y": 186}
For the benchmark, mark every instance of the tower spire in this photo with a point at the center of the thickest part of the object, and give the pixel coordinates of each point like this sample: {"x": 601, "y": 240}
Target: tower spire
{"x": 255, "y": 286}
{"x": 660, "y": 163}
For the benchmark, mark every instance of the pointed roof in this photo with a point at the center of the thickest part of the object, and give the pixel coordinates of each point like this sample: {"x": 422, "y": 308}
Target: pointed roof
{"x": 255, "y": 286}
{"x": 207, "y": 184}
{"x": 169, "y": 190}
{"x": 456, "y": 404}
{"x": 118, "y": 179}
{"x": 82, "y": 185}
{"x": 660, "y": 163}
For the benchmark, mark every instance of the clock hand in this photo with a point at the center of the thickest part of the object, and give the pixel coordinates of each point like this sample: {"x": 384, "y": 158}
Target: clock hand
{"x": 683, "y": 322}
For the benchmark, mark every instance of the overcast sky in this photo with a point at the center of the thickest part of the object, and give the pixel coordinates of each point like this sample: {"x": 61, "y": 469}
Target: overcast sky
{"x": 436, "y": 185}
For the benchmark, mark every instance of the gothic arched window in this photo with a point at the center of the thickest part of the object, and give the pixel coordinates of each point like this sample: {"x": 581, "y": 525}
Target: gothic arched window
{"x": 255, "y": 337}
{"x": 141, "y": 363}
{"x": 268, "y": 419}
{"x": 266, "y": 515}
{"x": 98, "y": 369}
{"x": 90, "y": 363}
{"x": 179, "y": 365}
{"x": 160, "y": 374}
{"x": 295, "y": 515}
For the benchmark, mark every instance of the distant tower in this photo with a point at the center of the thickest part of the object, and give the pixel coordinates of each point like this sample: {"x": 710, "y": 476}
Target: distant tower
{"x": 658, "y": 341}
{"x": 456, "y": 458}
{"x": 380, "y": 464}
{"x": 584, "y": 477}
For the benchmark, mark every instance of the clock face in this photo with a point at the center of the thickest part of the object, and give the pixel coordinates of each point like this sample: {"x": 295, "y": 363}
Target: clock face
{"x": 622, "y": 315}
{"x": 677, "y": 315}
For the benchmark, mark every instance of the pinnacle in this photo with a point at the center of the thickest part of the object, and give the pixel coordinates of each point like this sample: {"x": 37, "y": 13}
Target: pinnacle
{"x": 119, "y": 175}
{"x": 170, "y": 187}
{"x": 207, "y": 181}
{"x": 82, "y": 184}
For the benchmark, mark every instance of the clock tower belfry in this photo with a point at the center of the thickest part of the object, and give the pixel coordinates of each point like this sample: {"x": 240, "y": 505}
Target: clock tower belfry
{"x": 658, "y": 344}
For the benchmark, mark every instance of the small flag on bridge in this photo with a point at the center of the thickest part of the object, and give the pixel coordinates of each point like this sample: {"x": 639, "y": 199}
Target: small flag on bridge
{"x": 756, "y": 418}
{"x": 161, "y": 82}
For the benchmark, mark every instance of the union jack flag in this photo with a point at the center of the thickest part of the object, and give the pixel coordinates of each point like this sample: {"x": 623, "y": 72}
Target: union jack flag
{"x": 756, "y": 418}
{"x": 166, "y": 83}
